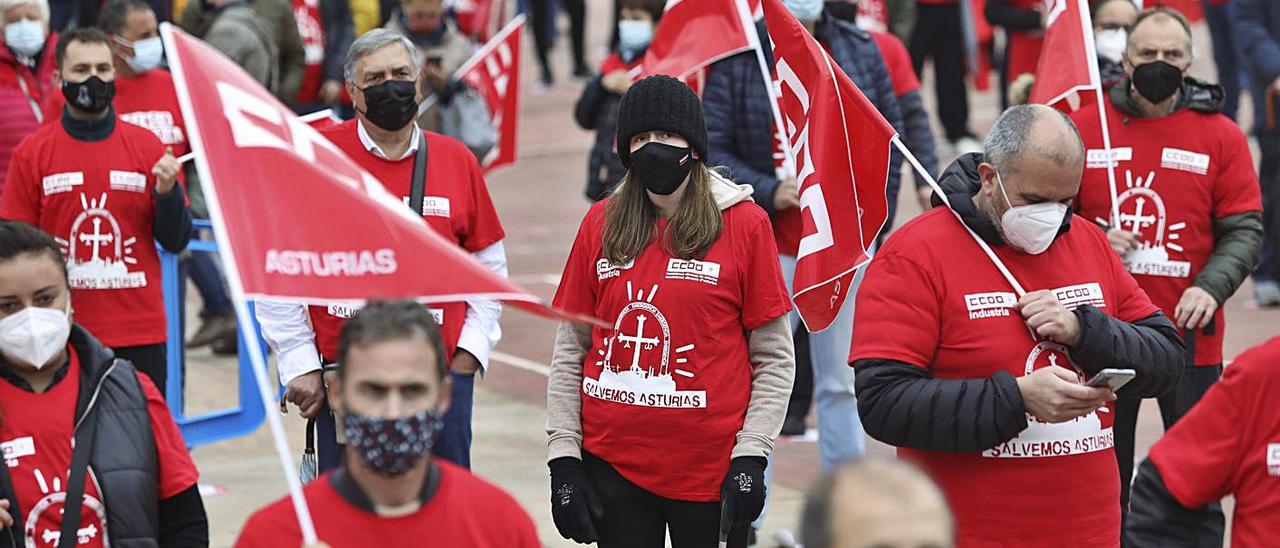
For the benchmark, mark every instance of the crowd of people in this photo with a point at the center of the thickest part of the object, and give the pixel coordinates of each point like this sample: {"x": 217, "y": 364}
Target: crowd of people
{"x": 1013, "y": 412}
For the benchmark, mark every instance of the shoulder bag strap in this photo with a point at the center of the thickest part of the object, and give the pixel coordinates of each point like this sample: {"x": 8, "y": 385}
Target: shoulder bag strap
{"x": 418, "y": 187}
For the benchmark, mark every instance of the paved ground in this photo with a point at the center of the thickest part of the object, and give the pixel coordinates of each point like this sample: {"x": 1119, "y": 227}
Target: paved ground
{"x": 541, "y": 204}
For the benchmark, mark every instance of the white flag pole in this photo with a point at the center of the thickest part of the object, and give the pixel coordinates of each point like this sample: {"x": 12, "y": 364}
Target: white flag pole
{"x": 1004, "y": 271}
{"x": 238, "y": 300}
{"x": 1095, "y": 80}
{"x": 753, "y": 40}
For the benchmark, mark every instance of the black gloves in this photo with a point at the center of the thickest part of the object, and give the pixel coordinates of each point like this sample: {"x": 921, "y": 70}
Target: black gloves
{"x": 574, "y": 504}
{"x": 742, "y": 491}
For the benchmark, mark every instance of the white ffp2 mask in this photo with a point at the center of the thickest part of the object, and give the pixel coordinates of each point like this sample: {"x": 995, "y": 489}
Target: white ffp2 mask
{"x": 1031, "y": 228}
{"x": 34, "y": 335}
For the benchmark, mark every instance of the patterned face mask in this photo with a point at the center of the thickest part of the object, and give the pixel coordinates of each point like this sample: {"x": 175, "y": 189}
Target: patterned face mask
{"x": 390, "y": 447}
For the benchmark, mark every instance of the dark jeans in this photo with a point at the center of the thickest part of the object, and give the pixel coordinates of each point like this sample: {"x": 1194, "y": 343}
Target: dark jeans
{"x": 1268, "y": 268}
{"x": 1194, "y": 383}
{"x": 542, "y": 15}
{"x": 149, "y": 359}
{"x": 938, "y": 35}
{"x": 1225, "y": 53}
{"x": 454, "y": 441}
{"x": 452, "y": 444}
{"x": 634, "y": 517}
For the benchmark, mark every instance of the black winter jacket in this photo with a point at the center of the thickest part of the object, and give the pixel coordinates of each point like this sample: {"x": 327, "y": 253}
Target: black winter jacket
{"x": 901, "y": 404}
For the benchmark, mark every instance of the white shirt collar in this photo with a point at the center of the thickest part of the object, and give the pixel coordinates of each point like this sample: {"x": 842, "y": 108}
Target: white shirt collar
{"x": 373, "y": 147}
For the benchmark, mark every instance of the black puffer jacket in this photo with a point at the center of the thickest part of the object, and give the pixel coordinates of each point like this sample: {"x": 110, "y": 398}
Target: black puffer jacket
{"x": 901, "y": 404}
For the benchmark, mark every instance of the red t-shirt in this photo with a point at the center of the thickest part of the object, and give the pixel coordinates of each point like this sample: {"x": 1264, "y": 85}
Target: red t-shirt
{"x": 311, "y": 29}
{"x": 36, "y": 434}
{"x": 898, "y": 61}
{"x": 456, "y": 205}
{"x": 95, "y": 199}
{"x": 1230, "y": 444}
{"x": 465, "y": 512}
{"x": 1174, "y": 176}
{"x": 665, "y": 390}
{"x": 147, "y": 100}
{"x": 933, "y": 299}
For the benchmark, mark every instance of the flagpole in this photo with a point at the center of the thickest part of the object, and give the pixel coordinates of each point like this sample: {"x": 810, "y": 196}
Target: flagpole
{"x": 1091, "y": 54}
{"x": 753, "y": 39}
{"x": 238, "y": 300}
{"x": 1004, "y": 271}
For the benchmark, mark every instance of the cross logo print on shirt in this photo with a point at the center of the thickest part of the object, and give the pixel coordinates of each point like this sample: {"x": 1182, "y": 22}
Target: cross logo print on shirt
{"x": 645, "y": 377}
{"x": 98, "y": 253}
{"x": 1143, "y": 213}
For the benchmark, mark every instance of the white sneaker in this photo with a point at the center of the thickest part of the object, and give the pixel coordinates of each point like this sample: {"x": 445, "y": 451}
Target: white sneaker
{"x": 965, "y": 145}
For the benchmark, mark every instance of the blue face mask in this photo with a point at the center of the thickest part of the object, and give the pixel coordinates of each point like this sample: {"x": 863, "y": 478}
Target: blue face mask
{"x": 25, "y": 37}
{"x": 146, "y": 54}
{"x": 805, "y": 10}
{"x": 634, "y": 36}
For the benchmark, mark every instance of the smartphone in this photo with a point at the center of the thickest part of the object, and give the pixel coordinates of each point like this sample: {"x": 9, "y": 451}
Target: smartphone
{"x": 1112, "y": 378}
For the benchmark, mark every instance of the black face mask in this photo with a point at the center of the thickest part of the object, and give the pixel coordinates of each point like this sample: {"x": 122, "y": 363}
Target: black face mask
{"x": 661, "y": 167}
{"x": 392, "y": 104}
{"x": 92, "y": 95}
{"x": 843, "y": 11}
{"x": 1157, "y": 80}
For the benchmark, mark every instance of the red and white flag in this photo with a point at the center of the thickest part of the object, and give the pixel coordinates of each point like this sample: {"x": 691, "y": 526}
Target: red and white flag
{"x": 1067, "y": 76}
{"x": 693, "y": 34}
{"x": 840, "y": 144}
{"x": 494, "y": 71}
{"x": 275, "y": 186}
{"x": 1068, "y": 67}
{"x": 478, "y": 18}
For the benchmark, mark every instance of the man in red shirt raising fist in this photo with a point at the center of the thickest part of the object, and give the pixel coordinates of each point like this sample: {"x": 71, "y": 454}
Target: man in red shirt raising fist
{"x": 104, "y": 188}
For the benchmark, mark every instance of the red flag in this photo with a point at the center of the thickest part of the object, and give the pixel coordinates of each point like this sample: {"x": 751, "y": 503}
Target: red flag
{"x": 693, "y": 34}
{"x": 494, "y": 71}
{"x": 478, "y": 18}
{"x": 298, "y": 219}
{"x": 841, "y": 148}
{"x": 1068, "y": 63}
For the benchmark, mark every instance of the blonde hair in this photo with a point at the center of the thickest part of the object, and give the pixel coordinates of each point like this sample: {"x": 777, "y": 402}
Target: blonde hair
{"x": 630, "y": 219}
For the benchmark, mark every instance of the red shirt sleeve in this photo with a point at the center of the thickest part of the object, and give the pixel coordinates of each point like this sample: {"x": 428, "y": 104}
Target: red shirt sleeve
{"x": 899, "y": 313}
{"x": 53, "y": 108}
{"x": 486, "y": 229}
{"x": 1199, "y": 456}
{"x": 764, "y": 292}
{"x": 901, "y": 72}
{"x": 20, "y": 201}
{"x": 578, "y": 285}
{"x": 1235, "y": 185}
{"x": 177, "y": 472}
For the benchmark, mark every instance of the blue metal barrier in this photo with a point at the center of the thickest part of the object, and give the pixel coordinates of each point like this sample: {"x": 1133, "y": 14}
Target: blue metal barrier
{"x": 232, "y": 422}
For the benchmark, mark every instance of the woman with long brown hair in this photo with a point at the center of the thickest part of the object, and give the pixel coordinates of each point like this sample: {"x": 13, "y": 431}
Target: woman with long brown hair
{"x": 665, "y": 420}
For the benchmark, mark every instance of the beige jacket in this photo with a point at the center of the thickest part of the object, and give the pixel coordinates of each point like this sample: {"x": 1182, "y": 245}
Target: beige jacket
{"x": 772, "y": 359}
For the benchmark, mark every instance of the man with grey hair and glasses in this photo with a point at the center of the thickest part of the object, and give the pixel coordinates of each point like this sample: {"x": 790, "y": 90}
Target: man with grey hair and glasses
{"x": 986, "y": 388}
{"x": 443, "y": 181}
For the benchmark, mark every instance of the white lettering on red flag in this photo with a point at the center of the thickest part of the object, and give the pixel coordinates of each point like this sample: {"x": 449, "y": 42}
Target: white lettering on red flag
{"x": 296, "y": 217}
{"x": 840, "y": 144}
{"x": 494, "y": 72}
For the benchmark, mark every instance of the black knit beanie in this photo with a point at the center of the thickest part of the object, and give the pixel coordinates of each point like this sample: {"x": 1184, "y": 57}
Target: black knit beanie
{"x": 660, "y": 103}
